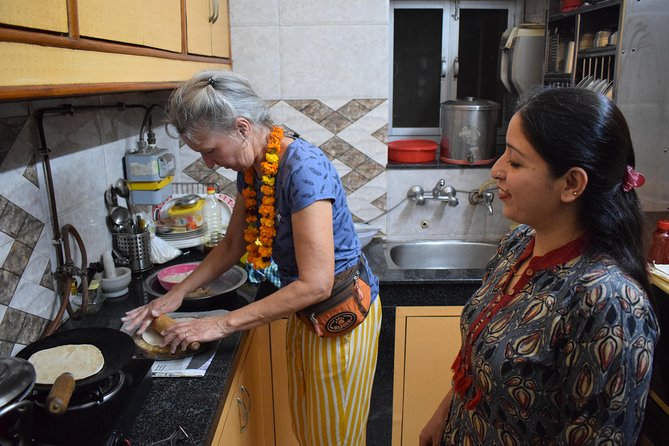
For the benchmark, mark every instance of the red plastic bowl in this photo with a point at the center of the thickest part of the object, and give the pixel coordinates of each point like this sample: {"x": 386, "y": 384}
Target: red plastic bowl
{"x": 412, "y": 151}
{"x": 172, "y": 275}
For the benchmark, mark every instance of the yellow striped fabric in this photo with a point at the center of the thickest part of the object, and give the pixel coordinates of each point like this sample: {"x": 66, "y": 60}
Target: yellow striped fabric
{"x": 330, "y": 381}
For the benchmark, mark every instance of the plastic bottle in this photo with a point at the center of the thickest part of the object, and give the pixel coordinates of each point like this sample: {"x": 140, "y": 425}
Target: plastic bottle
{"x": 212, "y": 219}
{"x": 659, "y": 248}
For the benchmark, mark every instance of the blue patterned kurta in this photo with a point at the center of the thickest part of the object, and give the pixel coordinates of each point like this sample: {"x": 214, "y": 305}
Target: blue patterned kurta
{"x": 568, "y": 360}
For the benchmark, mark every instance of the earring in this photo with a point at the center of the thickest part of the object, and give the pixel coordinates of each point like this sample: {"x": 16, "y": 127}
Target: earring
{"x": 575, "y": 193}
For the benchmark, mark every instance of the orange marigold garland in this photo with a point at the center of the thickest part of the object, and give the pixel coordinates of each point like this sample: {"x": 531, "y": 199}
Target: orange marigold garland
{"x": 260, "y": 230}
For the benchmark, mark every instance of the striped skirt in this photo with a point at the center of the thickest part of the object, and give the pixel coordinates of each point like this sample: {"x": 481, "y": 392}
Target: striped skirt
{"x": 330, "y": 381}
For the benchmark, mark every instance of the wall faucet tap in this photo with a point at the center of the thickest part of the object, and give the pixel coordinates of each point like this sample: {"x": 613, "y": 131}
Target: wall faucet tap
{"x": 440, "y": 192}
{"x": 483, "y": 196}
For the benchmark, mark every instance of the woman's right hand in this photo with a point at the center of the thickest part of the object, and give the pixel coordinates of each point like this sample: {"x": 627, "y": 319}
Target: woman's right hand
{"x": 138, "y": 319}
{"x": 434, "y": 429}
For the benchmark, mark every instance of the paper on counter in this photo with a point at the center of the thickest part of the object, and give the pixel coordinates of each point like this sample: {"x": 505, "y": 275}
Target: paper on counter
{"x": 189, "y": 367}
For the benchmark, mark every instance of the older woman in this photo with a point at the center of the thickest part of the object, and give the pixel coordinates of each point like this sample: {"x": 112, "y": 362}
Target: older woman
{"x": 557, "y": 344}
{"x": 291, "y": 208}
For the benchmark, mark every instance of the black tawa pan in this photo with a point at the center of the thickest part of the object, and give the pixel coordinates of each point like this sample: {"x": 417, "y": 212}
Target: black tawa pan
{"x": 116, "y": 346}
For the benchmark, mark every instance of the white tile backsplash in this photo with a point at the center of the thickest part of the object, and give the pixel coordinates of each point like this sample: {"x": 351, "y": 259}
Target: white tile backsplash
{"x": 353, "y": 59}
{"x": 256, "y": 54}
{"x": 327, "y": 12}
{"x": 254, "y": 12}
{"x": 437, "y": 220}
{"x": 34, "y": 299}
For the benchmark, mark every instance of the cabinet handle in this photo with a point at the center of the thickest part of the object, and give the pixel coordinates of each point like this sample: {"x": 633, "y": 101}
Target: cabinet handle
{"x": 248, "y": 397}
{"x": 243, "y": 415}
{"x": 456, "y": 68}
{"x": 214, "y": 17}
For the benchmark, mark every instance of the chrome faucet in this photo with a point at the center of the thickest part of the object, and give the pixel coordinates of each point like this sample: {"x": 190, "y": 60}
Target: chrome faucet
{"x": 483, "y": 196}
{"x": 440, "y": 192}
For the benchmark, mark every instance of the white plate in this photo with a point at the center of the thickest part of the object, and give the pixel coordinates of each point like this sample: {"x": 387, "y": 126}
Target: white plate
{"x": 227, "y": 203}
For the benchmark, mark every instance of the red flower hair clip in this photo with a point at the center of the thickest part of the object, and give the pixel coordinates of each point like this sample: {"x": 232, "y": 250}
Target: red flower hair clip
{"x": 632, "y": 179}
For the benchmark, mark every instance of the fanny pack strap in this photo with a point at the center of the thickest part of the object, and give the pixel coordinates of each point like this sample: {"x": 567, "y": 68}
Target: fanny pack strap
{"x": 342, "y": 281}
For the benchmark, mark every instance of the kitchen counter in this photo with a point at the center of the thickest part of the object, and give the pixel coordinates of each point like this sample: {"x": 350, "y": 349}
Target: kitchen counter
{"x": 190, "y": 403}
{"x": 193, "y": 403}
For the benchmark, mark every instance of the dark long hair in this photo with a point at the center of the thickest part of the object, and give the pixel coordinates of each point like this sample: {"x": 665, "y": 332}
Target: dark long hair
{"x": 574, "y": 127}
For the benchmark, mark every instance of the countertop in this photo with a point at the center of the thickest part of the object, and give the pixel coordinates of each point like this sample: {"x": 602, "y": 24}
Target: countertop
{"x": 193, "y": 403}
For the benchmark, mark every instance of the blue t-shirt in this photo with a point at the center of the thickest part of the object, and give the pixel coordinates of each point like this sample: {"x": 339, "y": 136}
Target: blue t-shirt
{"x": 305, "y": 176}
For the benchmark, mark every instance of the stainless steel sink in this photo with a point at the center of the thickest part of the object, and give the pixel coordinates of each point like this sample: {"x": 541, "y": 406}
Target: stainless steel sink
{"x": 448, "y": 254}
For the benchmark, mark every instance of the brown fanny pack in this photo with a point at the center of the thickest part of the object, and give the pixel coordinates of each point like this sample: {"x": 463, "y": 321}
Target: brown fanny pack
{"x": 346, "y": 307}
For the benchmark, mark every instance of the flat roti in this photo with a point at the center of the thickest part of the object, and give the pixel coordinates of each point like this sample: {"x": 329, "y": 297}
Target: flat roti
{"x": 152, "y": 337}
{"x": 81, "y": 360}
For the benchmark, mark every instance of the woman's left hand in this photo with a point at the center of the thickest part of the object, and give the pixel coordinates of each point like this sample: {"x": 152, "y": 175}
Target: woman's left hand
{"x": 201, "y": 330}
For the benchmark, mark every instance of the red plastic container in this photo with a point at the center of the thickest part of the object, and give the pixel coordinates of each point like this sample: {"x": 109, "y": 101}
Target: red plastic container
{"x": 570, "y": 5}
{"x": 659, "y": 249}
{"x": 412, "y": 151}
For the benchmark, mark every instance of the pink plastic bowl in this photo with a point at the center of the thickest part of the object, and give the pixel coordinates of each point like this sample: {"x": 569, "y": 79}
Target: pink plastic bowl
{"x": 172, "y": 275}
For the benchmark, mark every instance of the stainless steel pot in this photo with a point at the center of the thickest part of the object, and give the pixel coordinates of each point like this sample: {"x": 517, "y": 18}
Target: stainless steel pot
{"x": 468, "y": 131}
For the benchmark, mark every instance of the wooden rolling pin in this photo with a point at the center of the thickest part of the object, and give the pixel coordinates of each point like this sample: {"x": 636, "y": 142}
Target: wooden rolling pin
{"x": 59, "y": 397}
{"x": 164, "y": 321}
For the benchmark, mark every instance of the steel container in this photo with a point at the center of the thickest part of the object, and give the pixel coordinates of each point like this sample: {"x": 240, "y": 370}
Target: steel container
{"x": 468, "y": 131}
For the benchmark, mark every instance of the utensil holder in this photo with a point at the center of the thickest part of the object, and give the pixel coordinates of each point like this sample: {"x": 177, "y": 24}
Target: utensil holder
{"x": 137, "y": 249}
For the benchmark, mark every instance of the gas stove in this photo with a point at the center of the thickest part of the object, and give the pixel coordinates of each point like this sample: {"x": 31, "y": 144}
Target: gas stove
{"x": 102, "y": 416}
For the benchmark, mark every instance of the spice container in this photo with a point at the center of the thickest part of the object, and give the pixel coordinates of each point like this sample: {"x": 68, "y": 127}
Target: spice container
{"x": 659, "y": 248}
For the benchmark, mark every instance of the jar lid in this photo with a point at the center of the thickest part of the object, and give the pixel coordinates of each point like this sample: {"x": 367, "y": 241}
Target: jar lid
{"x": 663, "y": 224}
{"x": 471, "y": 103}
{"x": 17, "y": 377}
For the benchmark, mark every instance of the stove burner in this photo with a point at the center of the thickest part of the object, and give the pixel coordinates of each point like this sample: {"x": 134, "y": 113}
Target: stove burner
{"x": 96, "y": 394}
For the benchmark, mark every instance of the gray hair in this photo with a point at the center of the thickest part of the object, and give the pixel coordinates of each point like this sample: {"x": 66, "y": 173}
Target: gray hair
{"x": 211, "y": 101}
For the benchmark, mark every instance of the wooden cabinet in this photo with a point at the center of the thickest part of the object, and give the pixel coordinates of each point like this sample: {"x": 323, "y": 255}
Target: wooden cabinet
{"x": 208, "y": 28}
{"x": 55, "y": 48}
{"x": 427, "y": 339}
{"x": 48, "y": 15}
{"x": 151, "y": 23}
{"x": 578, "y": 46}
{"x": 247, "y": 416}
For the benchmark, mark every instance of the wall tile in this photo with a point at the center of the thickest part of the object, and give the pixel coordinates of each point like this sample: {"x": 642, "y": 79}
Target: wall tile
{"x": 356, "y": 53}
{"x": 256, "y": 54}
{"x": 253, "y": 12}
{"x": 34, "y": 299}
{"x": 12, "y": 322}
{"x": 10, "y": 282}
{"x": 17, "y": 259}
{"x": 322, "y": 12}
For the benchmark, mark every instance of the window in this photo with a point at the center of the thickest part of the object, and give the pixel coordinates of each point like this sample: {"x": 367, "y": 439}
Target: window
{"x": 443, "y": 50}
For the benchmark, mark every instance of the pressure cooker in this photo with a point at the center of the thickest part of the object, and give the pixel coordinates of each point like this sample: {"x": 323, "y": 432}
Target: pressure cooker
{"x": 468, "y": 131}
{"x": 17, "y": 378}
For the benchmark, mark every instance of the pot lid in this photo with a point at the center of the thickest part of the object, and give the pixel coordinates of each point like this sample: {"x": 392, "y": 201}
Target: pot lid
{"x": 471, "y": 103}
{"x": 17, "y": 377}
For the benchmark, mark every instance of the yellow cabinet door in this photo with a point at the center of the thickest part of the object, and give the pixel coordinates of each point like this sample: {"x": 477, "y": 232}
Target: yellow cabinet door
{"x": 151, "y": 23}
{"x": 47, "y": 15}
{"x": 208, "y": 27}
{"x": 283, "y": 429}
{"x": 247, "y": 418}
{"x": 427, "y": 339}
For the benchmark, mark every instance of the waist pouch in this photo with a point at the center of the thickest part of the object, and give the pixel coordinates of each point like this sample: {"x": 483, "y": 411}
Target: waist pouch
{"x": 346, "y": 307}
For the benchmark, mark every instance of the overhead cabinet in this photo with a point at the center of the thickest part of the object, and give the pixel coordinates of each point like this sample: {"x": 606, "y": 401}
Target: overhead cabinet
{"x": 48, "y": 15}
{"x": 75, "y": 47}
{"x": 151, "y": 23}
{"x": 208, "y": 29}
